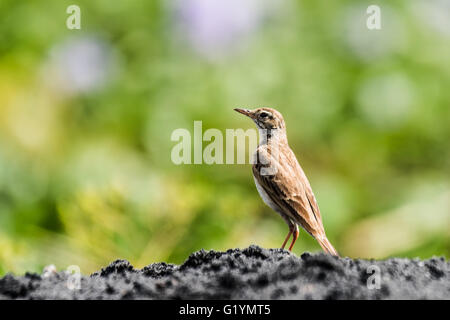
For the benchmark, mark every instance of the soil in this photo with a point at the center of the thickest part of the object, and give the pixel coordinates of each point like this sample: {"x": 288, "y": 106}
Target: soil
{"x": 250, "y": 273}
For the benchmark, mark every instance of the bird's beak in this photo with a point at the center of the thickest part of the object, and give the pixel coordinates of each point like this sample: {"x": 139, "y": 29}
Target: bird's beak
{"x": 245, "y": 112}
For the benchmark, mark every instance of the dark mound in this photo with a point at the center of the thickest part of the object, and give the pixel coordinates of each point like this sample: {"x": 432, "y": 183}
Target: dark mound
{"x": 251, "y": 273}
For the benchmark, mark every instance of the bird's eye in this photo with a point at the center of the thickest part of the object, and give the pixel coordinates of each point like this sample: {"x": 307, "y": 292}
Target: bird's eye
{"x": 264, "y": 115}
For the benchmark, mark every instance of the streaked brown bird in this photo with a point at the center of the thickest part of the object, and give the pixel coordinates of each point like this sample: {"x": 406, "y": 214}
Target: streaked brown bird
{"x": 280, "y": 180}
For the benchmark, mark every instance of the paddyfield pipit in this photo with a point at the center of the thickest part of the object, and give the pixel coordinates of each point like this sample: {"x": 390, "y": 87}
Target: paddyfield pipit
{"x": 280, "y": 180}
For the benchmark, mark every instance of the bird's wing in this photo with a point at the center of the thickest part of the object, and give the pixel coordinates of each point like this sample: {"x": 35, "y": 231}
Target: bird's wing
{"x": 306, "y": 186}
{"x": 289, "y": 188}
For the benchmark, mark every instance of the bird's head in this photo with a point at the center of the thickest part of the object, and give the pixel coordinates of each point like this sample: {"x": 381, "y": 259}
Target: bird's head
{"x": 265, "y": 118}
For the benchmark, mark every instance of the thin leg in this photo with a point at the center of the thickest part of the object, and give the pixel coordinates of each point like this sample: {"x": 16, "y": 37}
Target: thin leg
{"x": 287, "y": 238}
{"x": 294, "y": 238}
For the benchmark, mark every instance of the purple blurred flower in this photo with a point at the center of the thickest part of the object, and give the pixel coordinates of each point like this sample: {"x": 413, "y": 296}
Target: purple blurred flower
{"x": 216, "y": 28}
{"x": 79, "y": 65}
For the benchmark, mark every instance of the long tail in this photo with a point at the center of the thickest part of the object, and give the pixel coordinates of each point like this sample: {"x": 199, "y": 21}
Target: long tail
{"x": 327, "y": 246}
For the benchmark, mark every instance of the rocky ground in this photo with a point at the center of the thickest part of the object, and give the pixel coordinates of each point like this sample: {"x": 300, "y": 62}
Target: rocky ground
{"x": 251, "y": 273}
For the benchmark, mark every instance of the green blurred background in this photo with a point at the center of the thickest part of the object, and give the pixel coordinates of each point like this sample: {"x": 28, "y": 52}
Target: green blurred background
{"x": 86, "y": 118}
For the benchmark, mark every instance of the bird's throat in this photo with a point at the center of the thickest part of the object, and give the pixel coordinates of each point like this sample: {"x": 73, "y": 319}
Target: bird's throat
{"x": 267, "y": 136}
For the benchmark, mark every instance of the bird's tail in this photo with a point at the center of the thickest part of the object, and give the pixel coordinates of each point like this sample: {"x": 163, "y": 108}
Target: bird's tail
{"x": 327, "y": 246}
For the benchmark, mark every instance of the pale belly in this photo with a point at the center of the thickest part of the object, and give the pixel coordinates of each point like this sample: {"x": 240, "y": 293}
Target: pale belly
{"x": 266, "y": 197}
{"x": 274, "y": 206}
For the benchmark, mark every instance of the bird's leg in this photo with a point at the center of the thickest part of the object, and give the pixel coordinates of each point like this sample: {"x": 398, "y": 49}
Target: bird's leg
{"x": 294, "y": 238}
{"x": 287, "y": 238}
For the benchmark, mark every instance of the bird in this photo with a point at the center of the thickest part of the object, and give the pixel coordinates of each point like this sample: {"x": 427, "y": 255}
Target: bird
{"x": 281, "y": 181}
